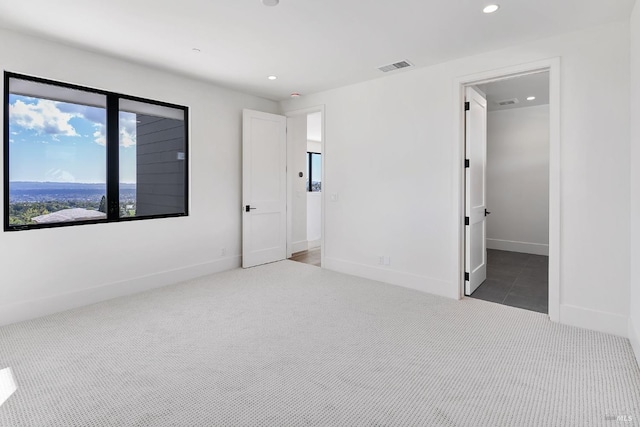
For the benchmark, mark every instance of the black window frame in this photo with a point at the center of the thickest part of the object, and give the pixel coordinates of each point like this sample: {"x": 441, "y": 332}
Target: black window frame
{"x": 113, "y": 154}
{"x": 309, "y": 172}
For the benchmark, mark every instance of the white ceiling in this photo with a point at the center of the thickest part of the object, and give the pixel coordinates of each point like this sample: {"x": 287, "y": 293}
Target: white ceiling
{"x": 519, "y": 88}
{"x": 311, "y": 45}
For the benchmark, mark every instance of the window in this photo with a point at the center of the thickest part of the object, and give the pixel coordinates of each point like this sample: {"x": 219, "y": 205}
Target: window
{"x": 314, "y": 172}
{"x": 75, "y": 155}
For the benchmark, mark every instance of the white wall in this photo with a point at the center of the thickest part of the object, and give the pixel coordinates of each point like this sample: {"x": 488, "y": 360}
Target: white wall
{"x": 634, "y": 307}
{"x": 54, "y": 269}
{"x": 314, "y": 146}
{"x": 389, "y": 154}
{"x": 518, "y": 180}
{"x": 314, "y": 219}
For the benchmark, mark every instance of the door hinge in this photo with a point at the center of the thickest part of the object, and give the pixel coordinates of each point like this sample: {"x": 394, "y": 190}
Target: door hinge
{"x": 466, "y": 220}
{"x": 467, "y": 106}
{"x": 466, "y": 163}
{"x": 466, "y": 276}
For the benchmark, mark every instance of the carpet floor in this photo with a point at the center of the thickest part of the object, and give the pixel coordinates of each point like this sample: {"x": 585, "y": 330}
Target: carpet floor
{"x": 288, "y": 344}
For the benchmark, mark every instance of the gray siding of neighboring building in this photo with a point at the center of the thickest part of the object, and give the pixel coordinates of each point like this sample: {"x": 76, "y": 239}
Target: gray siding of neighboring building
{"x": 160, "y": 171}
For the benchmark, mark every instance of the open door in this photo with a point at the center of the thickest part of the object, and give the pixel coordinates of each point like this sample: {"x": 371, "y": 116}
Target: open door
{"x": 264, "y": 188}
{"x": 475, "y": 197}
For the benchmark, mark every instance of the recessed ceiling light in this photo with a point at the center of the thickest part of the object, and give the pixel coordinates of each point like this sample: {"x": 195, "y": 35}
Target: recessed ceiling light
{"x": 295, "y": 95}
{"x": 531, "y": 98}
{"x": 272, "y": 77}
{"x": 270, "y": 2}
{"x": 491, "y": 8}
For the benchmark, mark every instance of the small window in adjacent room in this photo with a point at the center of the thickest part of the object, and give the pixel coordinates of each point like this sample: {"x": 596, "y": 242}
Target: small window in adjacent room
{"x": 75, "y": 155}
{"x": 314, "y": 172}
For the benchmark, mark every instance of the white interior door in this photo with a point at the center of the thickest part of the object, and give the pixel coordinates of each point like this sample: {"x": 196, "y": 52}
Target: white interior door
{"x": 264, "y": 188}
{"x": 475, "y": 198}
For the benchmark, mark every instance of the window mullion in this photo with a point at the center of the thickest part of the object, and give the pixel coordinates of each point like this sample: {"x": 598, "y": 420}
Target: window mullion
{"x": 113, "y": 158}
{"x": 309, "y": 185}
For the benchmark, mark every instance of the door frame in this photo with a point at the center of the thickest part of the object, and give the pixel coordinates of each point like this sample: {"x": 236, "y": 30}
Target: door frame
{"x": 552, "y": 65}
{"x": 290, "y": 176}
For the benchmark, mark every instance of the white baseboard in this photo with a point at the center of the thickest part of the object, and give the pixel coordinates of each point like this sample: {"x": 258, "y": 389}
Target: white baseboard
{"x": 399, "y": 278}
{"x": 524, "y": 247}
{"x": 299, "y": 246}
{"x": 634, "y": 337}
{"x": 26, "y": 310}
{"x": 312, "y": 244}
{"x": 600, "y": 321}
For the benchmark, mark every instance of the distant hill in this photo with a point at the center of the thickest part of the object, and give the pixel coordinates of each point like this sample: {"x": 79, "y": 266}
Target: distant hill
{"x": 30, "y": 192}
{"x": 33, "y": 185}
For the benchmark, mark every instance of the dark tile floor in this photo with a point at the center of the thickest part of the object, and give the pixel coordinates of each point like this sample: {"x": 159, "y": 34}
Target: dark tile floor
{"x": 311, "y": 256}
{"x": 516, "y": 279}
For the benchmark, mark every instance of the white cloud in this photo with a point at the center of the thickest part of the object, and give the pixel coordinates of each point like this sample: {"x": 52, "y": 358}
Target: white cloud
{"x": 99, "y": 136}
{"x": 11, "y": 141}
{"x": 127, "y": 131}
{"x": 128, "y": 126}
{"x": 52, "y": 118}
{"x": 97, "y": 115}
{"x": 59, "y": 175}
{"x": 127, "y": 139}
{"x": 43, "y": 117}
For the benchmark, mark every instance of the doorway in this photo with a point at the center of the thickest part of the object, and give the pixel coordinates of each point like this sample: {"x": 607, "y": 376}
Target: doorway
{"x": 517, "y": 192}
{"x": 521, "y": 231}
{"x": 305, "y": 149}
{"x": 282, "y": 161}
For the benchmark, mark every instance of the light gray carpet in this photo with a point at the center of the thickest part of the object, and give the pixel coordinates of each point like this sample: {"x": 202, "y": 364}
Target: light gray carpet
{"x": 288, "y": 344}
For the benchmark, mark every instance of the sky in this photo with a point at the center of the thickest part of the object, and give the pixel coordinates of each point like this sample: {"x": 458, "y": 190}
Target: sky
{"x": 316, "y": 168}
{"x": 63, "y": 142}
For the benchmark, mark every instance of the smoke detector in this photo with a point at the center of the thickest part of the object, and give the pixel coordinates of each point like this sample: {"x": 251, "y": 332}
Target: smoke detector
{"x": 395, "y": 66}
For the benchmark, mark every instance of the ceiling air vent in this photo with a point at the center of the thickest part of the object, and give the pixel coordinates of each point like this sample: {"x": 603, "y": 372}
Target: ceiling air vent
{"x": 508, "y": 102}
{"x": 396, "y": 66}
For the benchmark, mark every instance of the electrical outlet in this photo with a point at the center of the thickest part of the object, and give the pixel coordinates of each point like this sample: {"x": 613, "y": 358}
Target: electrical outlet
{"x": 223, "y": 251}
{"x": 384, "y": 260}
{"x": 334, "y": 197}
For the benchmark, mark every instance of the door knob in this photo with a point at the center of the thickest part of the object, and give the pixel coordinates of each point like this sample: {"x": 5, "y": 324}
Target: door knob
{"x": 248, "y": 208}
{"x": 486, "y": 212}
